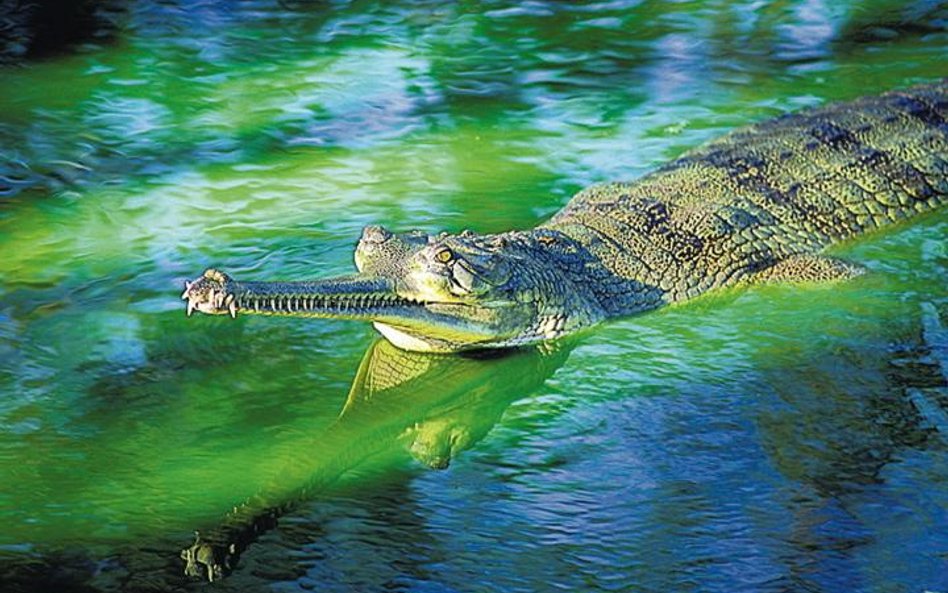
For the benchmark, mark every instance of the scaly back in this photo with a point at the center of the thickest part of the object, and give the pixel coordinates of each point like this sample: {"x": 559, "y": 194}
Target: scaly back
{"x": 791, "y": 185}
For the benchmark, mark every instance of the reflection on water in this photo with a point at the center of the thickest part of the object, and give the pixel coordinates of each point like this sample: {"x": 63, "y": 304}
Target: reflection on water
{"x": 435, "y": 406}
{"x": 772, "y": 439}
{"x": 430, "y": 406}
{"x": 792, "y": 473}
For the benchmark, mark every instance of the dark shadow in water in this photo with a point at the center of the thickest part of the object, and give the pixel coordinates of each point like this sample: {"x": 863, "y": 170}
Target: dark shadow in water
{"x": 890, "y": 20}
{"x": 845, "y": 423}
{"x": 838, "y": 439}
{"x": 44, "y": 28}
{"x": 434, "y": 406}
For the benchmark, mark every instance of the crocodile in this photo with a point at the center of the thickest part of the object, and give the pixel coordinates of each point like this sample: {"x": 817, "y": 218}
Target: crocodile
{"x": 760, "y": 204}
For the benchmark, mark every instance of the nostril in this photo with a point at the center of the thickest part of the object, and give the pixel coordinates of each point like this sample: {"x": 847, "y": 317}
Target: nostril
{"x": 375, "y": 234}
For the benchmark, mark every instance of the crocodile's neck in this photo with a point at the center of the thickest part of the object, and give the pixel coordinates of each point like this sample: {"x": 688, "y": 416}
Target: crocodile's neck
{"x": 576, "y": 257}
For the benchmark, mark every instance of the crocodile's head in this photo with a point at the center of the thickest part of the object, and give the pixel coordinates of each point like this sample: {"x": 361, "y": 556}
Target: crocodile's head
{"x": 432, "y": 293}
{"x": 471, "y": 291}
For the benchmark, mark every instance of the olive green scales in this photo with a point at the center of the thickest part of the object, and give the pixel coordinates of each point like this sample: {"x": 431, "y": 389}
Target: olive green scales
{"x": 759, "y": 204}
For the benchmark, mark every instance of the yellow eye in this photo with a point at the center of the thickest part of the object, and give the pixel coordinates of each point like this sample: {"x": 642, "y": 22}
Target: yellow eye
{"x": 444, "y": 256}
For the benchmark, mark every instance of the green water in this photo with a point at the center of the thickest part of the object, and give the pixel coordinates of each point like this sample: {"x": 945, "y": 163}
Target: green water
{"x": 773, "y": 439}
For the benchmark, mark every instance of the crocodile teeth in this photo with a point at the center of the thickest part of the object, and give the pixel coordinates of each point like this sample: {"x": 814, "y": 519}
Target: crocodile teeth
{"x": 191, "y": 306}
{"x": 187, "y": 288}
{"x": 231, "y": 301}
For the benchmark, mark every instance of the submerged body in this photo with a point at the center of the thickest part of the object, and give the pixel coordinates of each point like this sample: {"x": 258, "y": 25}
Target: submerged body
{"x": 758, "y": 204}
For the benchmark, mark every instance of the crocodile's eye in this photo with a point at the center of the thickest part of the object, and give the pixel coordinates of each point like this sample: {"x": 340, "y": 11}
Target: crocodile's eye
{"x": 444, "y": 255}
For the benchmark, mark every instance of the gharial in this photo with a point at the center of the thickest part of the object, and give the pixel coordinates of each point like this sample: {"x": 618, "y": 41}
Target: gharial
{"x": 759, "y": 204}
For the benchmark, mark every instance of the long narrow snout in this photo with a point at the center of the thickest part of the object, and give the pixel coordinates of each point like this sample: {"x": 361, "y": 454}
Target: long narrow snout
{"x": 412, "y": 323}
{"x": 350, "y": 297}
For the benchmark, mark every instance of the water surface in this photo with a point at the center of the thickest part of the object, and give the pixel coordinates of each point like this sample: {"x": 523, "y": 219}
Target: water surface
{"x": 771, "y": 439}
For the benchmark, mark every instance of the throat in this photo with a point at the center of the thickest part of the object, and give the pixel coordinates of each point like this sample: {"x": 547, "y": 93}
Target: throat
{"x": 405, "y": 341}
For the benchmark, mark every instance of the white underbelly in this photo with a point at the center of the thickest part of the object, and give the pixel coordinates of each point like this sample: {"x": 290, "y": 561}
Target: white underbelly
{"x": 401, "y": 339}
